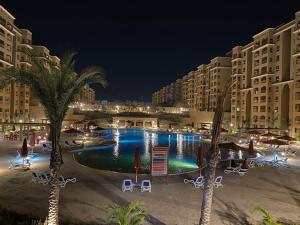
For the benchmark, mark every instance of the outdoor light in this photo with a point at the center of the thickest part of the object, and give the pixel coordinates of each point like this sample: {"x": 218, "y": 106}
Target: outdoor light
{"x": 20, "y": 121}
{"x": 231, "y": 124}
{"x": 32, "y": 120}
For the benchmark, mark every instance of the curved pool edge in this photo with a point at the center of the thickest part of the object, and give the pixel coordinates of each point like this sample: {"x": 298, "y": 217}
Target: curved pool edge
{"x": 115, "y": 172}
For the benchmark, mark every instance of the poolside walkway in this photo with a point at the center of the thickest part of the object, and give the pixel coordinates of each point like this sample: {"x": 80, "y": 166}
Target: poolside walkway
{"x": 175, "y": 203}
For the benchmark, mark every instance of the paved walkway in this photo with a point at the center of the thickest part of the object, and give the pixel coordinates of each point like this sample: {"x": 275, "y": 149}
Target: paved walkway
{"x": 175, "y": 203}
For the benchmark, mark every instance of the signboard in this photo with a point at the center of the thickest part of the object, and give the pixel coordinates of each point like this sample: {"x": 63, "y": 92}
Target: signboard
{"x": 159, "y": 161}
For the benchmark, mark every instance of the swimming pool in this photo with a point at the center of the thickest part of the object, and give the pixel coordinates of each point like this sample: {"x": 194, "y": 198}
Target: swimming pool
{"x": 120, "y": 157}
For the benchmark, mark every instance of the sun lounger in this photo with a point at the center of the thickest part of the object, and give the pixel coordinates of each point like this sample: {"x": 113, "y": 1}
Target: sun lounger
{"x": 16, "y": 165}
{"x": 199, "y": 182}
{"x": 63, "y": 181}
{"x": 290, "y": 152}
{"x": 146, "y": 185}
{"x": 69, "y": 145}
{"x": 35, "y": 178}
{"x": 47, "y": 148}
{"x": 218, "y": 181}
{"x": 75, "y": 144}
{"x": 127, "y": 185}
{"x": 45, "y": 178}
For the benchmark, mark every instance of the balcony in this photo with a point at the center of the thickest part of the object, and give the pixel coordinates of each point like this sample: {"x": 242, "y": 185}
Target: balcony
{"x": 5, "y": 59}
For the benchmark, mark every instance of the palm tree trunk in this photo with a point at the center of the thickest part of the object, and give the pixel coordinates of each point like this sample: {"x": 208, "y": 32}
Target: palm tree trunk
{"x": 55, "y": 163}
{"x": 212, "y": 161}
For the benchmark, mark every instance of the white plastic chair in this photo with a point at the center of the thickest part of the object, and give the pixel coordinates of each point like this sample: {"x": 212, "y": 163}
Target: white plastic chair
{"x": 146, "y": 185}
{"x": 127, "y": 185}
{"x": 199, "y": 182}
{"x": 218, "y": 181}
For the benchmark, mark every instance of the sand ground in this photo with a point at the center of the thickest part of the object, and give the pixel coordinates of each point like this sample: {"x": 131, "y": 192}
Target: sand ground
{"x": 172, "y": 203}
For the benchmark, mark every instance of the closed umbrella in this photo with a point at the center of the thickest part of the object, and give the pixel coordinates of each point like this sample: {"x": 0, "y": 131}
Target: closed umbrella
{"x": 200, "y": 161}
{"x": 137, "y": 162}
{"x": 251, "y": 149}
{"x": 24, "y": 150}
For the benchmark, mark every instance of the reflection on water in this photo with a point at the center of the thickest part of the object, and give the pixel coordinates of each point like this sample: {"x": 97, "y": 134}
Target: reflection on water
{"x": 179, "y": 146}
{"x": 116, "y": 147}
{"x": 120, "y": 157}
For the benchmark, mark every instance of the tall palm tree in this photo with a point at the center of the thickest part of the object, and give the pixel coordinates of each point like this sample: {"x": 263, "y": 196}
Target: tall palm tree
{"x": 212, "y": 159}
{"x": 56, "y": 87}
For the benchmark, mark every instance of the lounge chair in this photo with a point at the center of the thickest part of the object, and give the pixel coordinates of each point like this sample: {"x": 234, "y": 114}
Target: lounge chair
{"x": 218, "y": 181}
{"x": 35, "y": 178}
{"x": 146, "y": 185}
{"x": 69, "y": 145}
{"x": 75, "y": 144}
{"x": 199, "y": 182}
{"x": 290, "y": 152}
{"x": 16, "y": 165}
{"x": 242, "y": 171}
{"x": 127, "y": 185}
{"x": 47, "y": 148}
{"x": 45, "y": 179}
{"x": 63, "y": 181}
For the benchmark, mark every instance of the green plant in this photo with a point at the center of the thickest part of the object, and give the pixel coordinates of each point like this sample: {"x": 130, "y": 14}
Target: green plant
{"x": 267, "y": 218}
{"x": 56, "y": 87}
{"x": 131, "y": 214}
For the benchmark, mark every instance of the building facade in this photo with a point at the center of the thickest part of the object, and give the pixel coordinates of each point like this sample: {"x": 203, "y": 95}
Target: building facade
{"x": 264, "y": 76}
{"x": 15, "y": 47}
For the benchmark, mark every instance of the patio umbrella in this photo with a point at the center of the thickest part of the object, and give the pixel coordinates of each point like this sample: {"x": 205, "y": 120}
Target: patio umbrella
{"x": 98, "y": 128}
{"x": 231, "y": 146}
{"x": 73, "y": 131}
{"x": 202, "y": 129}
{"x": 254, "y": 132}
{"x": 200, "y": 161}
{"x": 274, "y": 142}
{"x": 137, "y": 162}
{"x": 269, "y": 135}
{"x": 287, "y": 138}
{"x": 223, "y": 130}
{"x": 250, "y": 149}
{"x": 92, "y": 123}
{"x": 24, "y": 149}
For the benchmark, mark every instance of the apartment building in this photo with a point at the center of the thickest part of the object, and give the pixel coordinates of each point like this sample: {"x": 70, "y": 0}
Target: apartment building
{"x": 15, "y": 47}
{"x": 87, "y": 95}
{"x": 219, "y": 76}
{"x": 14, "y": 98}
{"x": 266, "y": 79}
{"x": 198, "y": 89}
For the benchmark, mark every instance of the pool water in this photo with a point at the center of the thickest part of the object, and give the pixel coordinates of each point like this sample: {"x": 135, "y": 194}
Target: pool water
{"x": 120, "y": 157}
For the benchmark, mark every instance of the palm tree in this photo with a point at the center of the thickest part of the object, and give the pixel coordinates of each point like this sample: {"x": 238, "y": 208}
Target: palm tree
{"x": 267, "y": 218}
{"x": 212, "y": 159}
{"x": 56, "y": 87}
{"x": 127, "y": 215}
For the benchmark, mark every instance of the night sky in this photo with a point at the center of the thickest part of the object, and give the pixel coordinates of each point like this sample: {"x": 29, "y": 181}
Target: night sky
{"x": 144, "y": 45}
